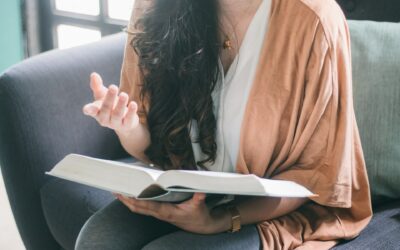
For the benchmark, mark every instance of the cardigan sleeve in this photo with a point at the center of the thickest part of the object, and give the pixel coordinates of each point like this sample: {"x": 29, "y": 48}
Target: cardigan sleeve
{"x": 331, "y": 161}
{"x": 131, "y": 76}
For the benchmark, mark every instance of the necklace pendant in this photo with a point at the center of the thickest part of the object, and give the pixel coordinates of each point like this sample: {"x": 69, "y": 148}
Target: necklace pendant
{"x": 227, "y": 44}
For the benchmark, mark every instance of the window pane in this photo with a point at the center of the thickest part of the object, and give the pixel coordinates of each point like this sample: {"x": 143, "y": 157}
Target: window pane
{"x": 70, "y": 36}
{"x": 86, "y": 7}
{"x": 120, "y": 9}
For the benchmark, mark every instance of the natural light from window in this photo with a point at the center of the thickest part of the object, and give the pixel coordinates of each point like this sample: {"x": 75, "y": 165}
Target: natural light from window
{"x": 120, "y": 9}
{"x": 86, "y": 7}
{"x": 70, "y": 36}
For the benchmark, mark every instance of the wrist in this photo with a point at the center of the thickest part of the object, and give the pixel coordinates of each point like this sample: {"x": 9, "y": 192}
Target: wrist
{"x": 222, "y": 219}
{"x": 236, "y": 223}
{"x": 126, "y": 133}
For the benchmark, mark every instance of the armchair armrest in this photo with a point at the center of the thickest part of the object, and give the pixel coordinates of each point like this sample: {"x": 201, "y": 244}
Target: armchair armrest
{"x": 41, "y": 102}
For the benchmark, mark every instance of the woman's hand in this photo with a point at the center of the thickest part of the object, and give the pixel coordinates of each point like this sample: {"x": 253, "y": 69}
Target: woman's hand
{"x": 192, "y": 215}
{"x": 110, "y": 109}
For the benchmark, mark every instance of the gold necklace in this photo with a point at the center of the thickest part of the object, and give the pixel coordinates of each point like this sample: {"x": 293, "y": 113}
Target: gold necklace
{"x": 227, "y": 43}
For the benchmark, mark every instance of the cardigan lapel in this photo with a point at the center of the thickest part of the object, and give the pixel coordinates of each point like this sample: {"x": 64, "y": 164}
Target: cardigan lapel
{"x": 268, "y": 133}
{"x": 242, "y": 165}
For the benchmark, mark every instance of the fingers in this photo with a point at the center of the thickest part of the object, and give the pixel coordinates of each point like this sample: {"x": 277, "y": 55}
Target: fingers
{"x": 120, "y": 110}
{"x": 104, "y": 116}
{"x": 92, "y": 109}
{"x": 96, "y": 84}
{"x": 198, "y": 198}
{"x": 112, "y": 111}
{"x": 143, "y": 207}
{"x": 131, "y": 116}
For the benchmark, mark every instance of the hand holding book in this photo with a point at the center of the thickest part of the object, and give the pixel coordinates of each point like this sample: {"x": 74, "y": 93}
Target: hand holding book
{"x": 192, "y": 215}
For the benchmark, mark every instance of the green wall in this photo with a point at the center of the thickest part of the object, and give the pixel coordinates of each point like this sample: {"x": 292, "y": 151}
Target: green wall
{"x": 11, "y": 49}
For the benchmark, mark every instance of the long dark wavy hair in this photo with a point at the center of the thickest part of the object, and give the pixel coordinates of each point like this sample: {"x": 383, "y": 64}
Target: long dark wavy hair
{"x": 178, "y": 47}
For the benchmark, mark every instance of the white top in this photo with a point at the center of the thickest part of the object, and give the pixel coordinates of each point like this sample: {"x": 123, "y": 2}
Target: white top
{"x": 231, "y": 93}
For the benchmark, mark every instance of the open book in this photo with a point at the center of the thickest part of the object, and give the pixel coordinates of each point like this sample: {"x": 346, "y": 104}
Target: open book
{"x": 144, "y": 182}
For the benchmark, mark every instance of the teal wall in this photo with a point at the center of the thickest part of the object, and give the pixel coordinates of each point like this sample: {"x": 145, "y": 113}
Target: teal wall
{"x": 11, "y": 48}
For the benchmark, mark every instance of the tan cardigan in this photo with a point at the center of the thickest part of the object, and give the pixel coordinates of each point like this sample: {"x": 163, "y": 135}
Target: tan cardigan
{"x": 299, "y": 123}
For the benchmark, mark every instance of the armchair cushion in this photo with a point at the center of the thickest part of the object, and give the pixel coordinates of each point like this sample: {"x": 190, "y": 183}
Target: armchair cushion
{"x": 381, "y": 233}
{"x": 67, "y": 205}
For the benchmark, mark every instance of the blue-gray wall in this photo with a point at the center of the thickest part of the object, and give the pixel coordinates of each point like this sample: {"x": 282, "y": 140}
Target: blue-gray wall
{"x": 11, "y": 48}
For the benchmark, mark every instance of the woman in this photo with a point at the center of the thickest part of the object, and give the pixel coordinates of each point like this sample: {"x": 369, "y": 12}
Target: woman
{"x": 261, "y": 87}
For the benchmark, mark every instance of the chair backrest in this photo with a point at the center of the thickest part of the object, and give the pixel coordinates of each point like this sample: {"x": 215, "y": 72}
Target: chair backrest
{"x": 376, "y": 89}
{"x": 374, "y": 10}
{"x": 376, "y": 92}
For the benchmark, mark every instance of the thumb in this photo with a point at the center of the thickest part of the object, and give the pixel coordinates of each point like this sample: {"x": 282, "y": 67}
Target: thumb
{"x": 96, "y": 84}
{"x": 198, "y": 198}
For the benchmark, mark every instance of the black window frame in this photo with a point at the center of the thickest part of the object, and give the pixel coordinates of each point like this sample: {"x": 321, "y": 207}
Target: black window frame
{"x": 50, "y": 18}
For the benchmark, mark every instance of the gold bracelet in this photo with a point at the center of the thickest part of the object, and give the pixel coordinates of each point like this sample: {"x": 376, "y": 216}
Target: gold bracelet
{"x": 236, "y": 224}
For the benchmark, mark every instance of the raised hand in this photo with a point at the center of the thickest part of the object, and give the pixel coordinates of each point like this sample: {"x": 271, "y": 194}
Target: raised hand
{"x": 111, "y": 109}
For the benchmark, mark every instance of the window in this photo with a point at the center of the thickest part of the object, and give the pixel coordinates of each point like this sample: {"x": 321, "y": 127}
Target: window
{"x": 68, "y": 23}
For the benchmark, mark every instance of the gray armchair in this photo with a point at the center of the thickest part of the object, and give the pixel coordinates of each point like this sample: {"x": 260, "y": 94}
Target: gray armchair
{"x": 41, "y": 122}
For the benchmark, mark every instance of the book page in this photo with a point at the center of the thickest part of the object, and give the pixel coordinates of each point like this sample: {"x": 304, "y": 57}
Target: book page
{"x": 280, "y": 188}
{"x": 153, "y": 172}
{"x": 229, "y": 183}
{"x": 108, "y": 175}
{"x": 210, "y": 182}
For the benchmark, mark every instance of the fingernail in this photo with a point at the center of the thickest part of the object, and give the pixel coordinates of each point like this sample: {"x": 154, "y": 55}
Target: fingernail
{"x": 113, "y": 90}
{"x": 85, "y": 110}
